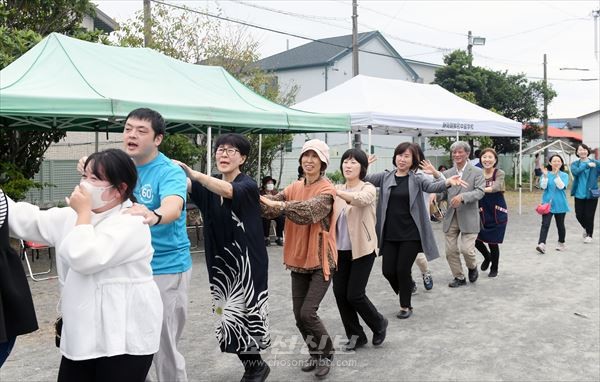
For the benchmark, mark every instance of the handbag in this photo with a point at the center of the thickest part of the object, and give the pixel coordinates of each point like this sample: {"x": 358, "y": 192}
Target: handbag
{"x": 543, "y": 208}
{"x": 595, "y": 193}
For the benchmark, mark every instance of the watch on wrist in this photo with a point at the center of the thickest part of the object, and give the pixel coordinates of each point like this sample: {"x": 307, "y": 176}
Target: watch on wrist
{"x": 159, "y": 216}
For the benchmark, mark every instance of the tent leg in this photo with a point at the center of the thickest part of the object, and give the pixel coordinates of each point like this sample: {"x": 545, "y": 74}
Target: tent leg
{"x": 349, "y": 139}
{"x": 259, "y": 157}
{"x": 209, "y": 151}
{"x": 370, "y": 132}
{"x": 520, "y": 173}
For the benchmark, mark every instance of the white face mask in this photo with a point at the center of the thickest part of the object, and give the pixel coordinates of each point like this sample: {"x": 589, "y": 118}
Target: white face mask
{"x": 270, "y": 186}
{"x": 96, "y": 193}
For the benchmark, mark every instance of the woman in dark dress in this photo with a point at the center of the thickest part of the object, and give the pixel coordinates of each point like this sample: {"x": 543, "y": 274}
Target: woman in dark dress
{"x": 493, "y": 211}
{"x": 236, "y": 256}
{"x": 17, "y": 315}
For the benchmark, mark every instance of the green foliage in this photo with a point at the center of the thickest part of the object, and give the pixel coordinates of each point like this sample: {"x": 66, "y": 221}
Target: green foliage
{"x": 336, "y": 177}
{"x": 182, "y": 148}
{"x": 272, "y": 145}
{"x": 13, "y": 183}
{"x": 510, "y": 95}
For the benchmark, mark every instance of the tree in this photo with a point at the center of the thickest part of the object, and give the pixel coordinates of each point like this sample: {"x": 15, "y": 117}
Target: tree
{"x": 196, "y": 38}
{"x": 510, "y": 95}
{"x": 22, "y": 25}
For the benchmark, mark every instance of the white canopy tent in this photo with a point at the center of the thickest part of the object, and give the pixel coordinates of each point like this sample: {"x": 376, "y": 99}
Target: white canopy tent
{"x": 384, "y": 106}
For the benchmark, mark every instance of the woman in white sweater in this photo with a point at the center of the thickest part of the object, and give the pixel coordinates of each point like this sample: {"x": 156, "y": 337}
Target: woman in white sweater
{"x": 111, "y": 307}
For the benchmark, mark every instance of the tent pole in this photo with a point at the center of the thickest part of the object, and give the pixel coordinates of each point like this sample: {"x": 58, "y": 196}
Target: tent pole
{"x": 370, "y": 132}
{"x": 208, "y": 150}
{"x": 520, "y": 171}
{"x": 97, "y": 134}
{"x": 259, "y": 158}
{"x": 350, "y": 139}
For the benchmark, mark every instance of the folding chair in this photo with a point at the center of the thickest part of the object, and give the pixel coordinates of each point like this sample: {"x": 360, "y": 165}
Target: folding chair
{"x": 35, "y": 248}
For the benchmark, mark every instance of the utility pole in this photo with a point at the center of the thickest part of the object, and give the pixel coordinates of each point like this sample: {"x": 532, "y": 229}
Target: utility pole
{"x": 545, "y": 116}
{"x": 596, "y": 14}
{"x": 469, "y": 43}
{"x": 357, "y": 139}
{"x": 147, "y": 24}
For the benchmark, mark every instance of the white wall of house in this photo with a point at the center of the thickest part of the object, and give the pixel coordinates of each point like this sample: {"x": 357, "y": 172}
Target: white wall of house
{"x": 591, "y": 129}
{"x": 311, "y": 81}
{"x": 425, "y": 70}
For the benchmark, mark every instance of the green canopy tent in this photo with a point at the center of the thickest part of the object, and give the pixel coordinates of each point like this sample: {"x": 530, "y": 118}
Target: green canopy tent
{"x": 73, "y": 85}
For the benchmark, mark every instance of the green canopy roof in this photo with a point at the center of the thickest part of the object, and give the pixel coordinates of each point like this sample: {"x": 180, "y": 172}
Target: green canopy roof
{"x": 75, "y": 85}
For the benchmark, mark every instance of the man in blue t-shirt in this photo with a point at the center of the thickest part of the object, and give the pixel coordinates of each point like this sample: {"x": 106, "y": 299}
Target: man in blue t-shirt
{"x": 161, "y": 194}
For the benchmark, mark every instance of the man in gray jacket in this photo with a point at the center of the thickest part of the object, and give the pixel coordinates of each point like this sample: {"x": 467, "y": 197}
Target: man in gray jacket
{"x": 462, "y": 217}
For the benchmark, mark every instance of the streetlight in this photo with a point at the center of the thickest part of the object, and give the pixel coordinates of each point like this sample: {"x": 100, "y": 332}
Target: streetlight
{"x": 474, "y": 40}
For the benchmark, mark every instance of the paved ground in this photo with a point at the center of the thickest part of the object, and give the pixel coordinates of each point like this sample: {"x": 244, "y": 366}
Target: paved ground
{"x": 537, "y": 321}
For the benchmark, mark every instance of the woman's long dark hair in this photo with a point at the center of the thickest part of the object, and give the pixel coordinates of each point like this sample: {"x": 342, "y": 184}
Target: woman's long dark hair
{"x": 115, "y": 167}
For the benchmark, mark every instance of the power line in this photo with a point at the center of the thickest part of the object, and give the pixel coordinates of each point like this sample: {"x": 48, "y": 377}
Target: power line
{"x": 269, "y": 29}
{"x": 294, "y": 14}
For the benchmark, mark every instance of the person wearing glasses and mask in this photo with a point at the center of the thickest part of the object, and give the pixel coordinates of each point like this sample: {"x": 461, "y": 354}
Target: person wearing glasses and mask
{"x": 236, "y": 256}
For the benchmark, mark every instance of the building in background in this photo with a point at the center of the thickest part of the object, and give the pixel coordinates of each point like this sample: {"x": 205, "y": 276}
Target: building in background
{"x": 590, "y": 125}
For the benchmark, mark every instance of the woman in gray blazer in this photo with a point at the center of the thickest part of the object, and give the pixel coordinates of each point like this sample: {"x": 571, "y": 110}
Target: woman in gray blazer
{"x": 403, "y": 224}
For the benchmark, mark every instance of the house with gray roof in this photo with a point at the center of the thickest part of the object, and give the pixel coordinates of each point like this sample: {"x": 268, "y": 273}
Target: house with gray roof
{"x": 322, "y": 64}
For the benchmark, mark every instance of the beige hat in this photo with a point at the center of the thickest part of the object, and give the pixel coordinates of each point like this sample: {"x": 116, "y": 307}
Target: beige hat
{"x": 319, "y": 147}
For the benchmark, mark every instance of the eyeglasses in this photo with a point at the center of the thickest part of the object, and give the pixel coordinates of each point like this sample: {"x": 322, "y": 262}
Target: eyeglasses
{"x": 230, "y": 151}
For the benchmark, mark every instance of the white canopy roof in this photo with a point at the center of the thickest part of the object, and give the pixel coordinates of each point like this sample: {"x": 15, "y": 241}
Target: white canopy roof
{"x": 407, "y": 108}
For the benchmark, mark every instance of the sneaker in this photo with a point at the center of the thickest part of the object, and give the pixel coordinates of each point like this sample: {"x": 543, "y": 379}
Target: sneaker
{"x": 560, "y": 246}
{"x": 541, "y": 248}
{"x": 588, "y": 239}
{"x": 457, "y": 283}
{"x": 473, "y": 274}
{"x": 414, "y": 287}
{"x": 427, "y": 280}
{"x": 279, "y": 242}
{"x": 267, "y": 243}
{"x": 584, "y": 234}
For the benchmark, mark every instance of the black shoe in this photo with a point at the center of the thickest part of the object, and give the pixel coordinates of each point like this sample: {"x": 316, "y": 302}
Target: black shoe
{"x": 359, "y": 343}
{"x": 379, "y": 337}
{"x": 457, "y": 283}
{"x": 473, "y": 275}
{"x": 257, "y": 374}
{"x": 414, "y": 287}
{"x": 493, "y": 273}
{"x": 323, "y": 366}
{"x": 403, "y": 314}
{"x": 310, "y": 364}
{"x": 267, "y": 243}
{"x": 485, "y": 264}
{"x": 279, "y": 242}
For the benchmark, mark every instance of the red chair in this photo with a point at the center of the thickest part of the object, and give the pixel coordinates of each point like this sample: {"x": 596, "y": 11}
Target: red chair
{"x": 35, "y": 248}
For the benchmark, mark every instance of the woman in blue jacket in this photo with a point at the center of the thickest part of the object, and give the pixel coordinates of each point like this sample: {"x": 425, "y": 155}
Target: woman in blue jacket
{"x": 554, "y": 183}
{"x": 585, "y": 173}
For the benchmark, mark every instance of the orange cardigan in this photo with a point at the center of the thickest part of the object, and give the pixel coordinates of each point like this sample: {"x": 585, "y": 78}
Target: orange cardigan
{"x": 308, "y": 246}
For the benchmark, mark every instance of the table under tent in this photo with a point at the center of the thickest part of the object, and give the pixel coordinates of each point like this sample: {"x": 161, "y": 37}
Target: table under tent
{"x": 72, "y": 85}
{"x": 385, "y": 106}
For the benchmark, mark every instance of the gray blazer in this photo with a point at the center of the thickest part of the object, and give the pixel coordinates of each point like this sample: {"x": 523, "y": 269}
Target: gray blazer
{"x": 417, "y": 183}
{"x": 468, "y": 212}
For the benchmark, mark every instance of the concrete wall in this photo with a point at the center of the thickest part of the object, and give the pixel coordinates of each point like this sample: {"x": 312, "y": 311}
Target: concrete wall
{"x": 591, "y": 130}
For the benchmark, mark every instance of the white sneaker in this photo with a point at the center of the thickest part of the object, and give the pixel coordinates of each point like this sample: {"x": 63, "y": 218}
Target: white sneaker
{"x": 560, "y": 246}
{"x": 584, "y": 234}
{"x": 541, "y": 248}
{"x": 588, "y": 239}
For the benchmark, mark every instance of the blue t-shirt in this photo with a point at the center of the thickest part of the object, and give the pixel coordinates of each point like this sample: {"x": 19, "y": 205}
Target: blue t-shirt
{"x": 555, "y": 196}
{"x": 157, "y": 180}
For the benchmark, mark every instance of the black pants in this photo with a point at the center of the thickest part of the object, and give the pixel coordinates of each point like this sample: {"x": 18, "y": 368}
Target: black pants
{"x": 585, "y": 209}
{"x": 398, "y": 258}
{"x": 492, "y": 255}
{"x": 349, "y": 284}
{"x": 560, "y": 226}
{"x": 308, "y": 290}
{"x": 279, "y": 224}
{"x": 120, "y": 368}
